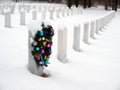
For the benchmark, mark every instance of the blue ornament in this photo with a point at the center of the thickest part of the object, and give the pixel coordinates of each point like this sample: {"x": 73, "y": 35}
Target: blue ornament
{"x": 42, "y": 59}
{"x": 47, "y": 62}
{"x": 37, "y": 48}
{"x": 41, "y": 33}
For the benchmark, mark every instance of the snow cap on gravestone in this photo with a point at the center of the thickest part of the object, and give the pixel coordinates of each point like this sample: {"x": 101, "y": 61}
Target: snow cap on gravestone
{"x": 76, "y": 24}
{"x": 34, "y": 7}
{"x": 43, "y": 9}
{"x": 6, "y": 5}
{"x": 61, "y": 27}
{"x": 40, "y": 8}
{"x": 58, "y": 9}
{"x": 34, "y": 26}
{"x": 22, "y": 10}
{"x": 6, "y": 10}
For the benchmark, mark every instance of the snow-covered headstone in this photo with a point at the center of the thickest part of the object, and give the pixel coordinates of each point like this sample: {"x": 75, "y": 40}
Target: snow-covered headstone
{"x": 12, "y": 8}
{"x": 7, "y": 5}
{"x": 72, "y": 10}
{"x": 51, "y": 11}
{"x": 7, "y": 18}
{"x": 34, "y": 14}
{"x": 62, "y": 44}
{"x": 32, "y": 65}
{"x": 76, "y": 40}
{"x": 63, "y": 12}
{"x": 39, "y": 8}
{"x": 68, "y": 11}
{"x": 92, "y": 30}
{"x": 75, "y": 11}
{"x": 24, "y": 6}
{"x": 58, "y": 10}
{"x": 2, "y": 8}
{"x": 101, "y": 24}
{"x": 79, "y": 10}
{"x": 28, "y": 8}
{"x": 19, "y": 7}
{"x": 43, "y": 13}
{"x": 97, "y": 27}
{"x": 86, "y": 33}
{"x": 22, "y": 17}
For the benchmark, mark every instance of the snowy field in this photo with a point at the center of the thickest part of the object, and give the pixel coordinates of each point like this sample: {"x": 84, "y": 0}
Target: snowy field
{"x": 95, "y": 67}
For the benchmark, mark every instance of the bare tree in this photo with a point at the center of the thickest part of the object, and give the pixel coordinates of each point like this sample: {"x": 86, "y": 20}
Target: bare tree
{"x": 106, "y": 4}
{"x": 89, "y": 3}
{"x": 69, "y": 3}
{"x": 84, "y": 3}
{"x": 114, "y": 4}
{"x": 76, "y": 2}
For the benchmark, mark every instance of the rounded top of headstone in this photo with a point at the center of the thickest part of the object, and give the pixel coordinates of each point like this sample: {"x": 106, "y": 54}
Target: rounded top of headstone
{"x": 22, "y": 10}
{"x": 6, "y": 10}
{"x": 43, "y": 9}
{"x": 34, "y": 26}
{"x": 34, "y": 9}
{"x": 12, "y": 4}
{"x": 86, "y": 22}
{"x": 76, "y": 24}
{"x": 51, "y": 9}
{"x": 61, "y": 27}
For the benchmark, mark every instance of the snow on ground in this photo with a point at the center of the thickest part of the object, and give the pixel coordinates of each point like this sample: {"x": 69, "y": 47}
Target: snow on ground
{"x": 96, "y": 67}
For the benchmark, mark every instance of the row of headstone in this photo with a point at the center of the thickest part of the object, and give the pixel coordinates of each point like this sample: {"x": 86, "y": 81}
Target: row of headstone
{"x": 4, "y": 6}
{"x": 23, "y": 9}
{"x": 1, "y": 8}
{"x": 62, "y": 44}
{"x": 62, "y": 40}
{"x": 89, "y": 30}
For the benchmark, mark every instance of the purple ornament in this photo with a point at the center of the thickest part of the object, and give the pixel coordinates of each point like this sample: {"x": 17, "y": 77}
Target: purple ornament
{"x": 52, "y": 31}
{"x": 42, "y": 51}
{"x": 38, "y": 58}
{"x": 48, "y": 45}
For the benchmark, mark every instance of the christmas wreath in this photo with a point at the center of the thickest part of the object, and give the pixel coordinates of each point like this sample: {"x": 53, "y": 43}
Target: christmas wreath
{"x": 42, "y": 45}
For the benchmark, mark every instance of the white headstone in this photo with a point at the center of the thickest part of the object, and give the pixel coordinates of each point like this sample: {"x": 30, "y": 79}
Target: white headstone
{"x": 40, "y": 8}
{"x": 7, "y": 18}
{"x": 86, "y": 33}
{"x": 63, "y": 12}
{"x": 75, "y": 11}
{"x": 78, "y": 10}
{"x": 12, "y": 8}
{"x": 97, "y": 27}
{"x": 76, "y": 40}
{"x": 32, "y": 65}
{"x": 92, "y": 31}
{"x": 19, "y": 8}
{"x": 62, "y": 44}
{"x": 34, "y": 14}
{"x": 51, "y": 11}
{"x": 24, "y": 6}
{"x": 7, "y": 5}
{"x": 28, "y": 8}
{"x": 58, "y": 10}
{"x": 68, "y": 11}
{"x": 2, "y": 8}
{"x": 72, "y": 11}
{"x": 22, "y": 17}
{"x": 43, "y": 13}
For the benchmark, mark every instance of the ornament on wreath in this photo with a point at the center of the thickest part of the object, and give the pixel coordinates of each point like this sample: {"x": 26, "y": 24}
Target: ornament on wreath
{"x": 42, "y": 45}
